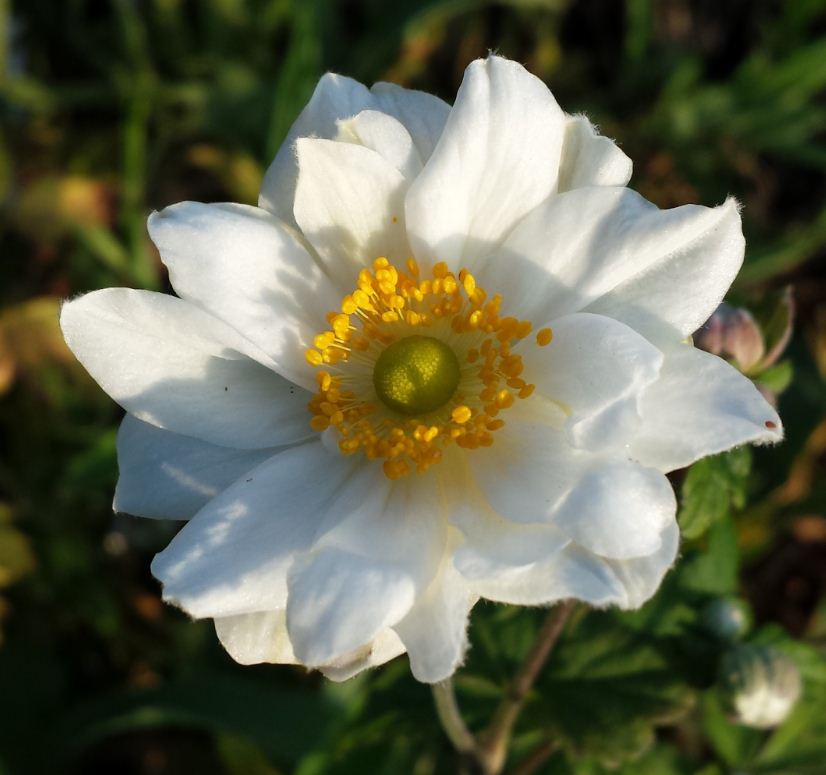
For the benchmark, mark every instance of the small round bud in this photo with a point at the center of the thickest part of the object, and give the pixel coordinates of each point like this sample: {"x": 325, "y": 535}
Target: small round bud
{"x": 732, "y": 332}
{"x": 759, "y": 685}
{"x": 728, "y": 619}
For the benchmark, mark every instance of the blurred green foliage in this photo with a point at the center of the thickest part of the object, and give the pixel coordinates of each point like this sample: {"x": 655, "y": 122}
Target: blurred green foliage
{"x": 111, "y": 108}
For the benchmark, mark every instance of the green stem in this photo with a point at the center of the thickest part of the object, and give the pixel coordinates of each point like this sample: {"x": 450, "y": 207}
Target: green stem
{"x": 496, "y": 739}
{"x": 451, "y": 719}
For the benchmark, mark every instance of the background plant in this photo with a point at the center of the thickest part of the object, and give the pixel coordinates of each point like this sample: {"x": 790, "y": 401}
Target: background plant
{"x": 111, "y": 108}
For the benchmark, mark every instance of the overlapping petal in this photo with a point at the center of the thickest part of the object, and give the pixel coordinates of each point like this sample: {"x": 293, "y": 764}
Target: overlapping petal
{"x": 423, "y": 115}
{"x": 173, "y": 365}
{"x": 434, "y": 632}
{"x": 256, "y": 637}
{"x": 609, "y": 251}
{"x": 232, "y": 557}
{"x": 700, "y": 406}
{"x": 386, "y": 136}
{"x": 380, "y": 545}
{"x": 610, "y": 505}
{"x": 164, "y": 475}
{"x": 489, "y": 168}
{"x": 242, "y": 265}
{"x": 596, "y": 369}
{"x": 583, "y": 575}
{"x": 349, "y": 204}
{"x": 337, "y": 98}
{"x": 589, "y": 159}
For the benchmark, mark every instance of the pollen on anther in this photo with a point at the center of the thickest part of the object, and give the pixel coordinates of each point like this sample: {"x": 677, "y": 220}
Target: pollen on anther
{"x": 544, "y": 337}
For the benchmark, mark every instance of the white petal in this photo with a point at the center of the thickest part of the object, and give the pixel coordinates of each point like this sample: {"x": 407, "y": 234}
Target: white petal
{"x": 379, "y": 545}
{"x": 385, "y": 647}
{"x": 172, "y": 365}
{"x": 581, "y": 575}
{"x": 497, "y": 158}
{"x": 641, "y": 576}
{"x": 168, "y": 476}
{"x": 618, "y": 510}
{"x": 700, "y": 406}
{"x": 335, "y": 97}
{"x": 597, "y": 369}
{"x": 573, "y": 573}
{"x": 233, "y": 556}
{"x": 681, "y": 290}
{"x": 435, "y": 631}
{"x": 258, "y": 637}
{"x": 386, "y": 136}
{"x": 610, "y": 505}
{"x": 589, "y": 159}
{"x": 492, "y": 544}
{"x": 337, "y": 602}
{"x": 350, "y": 205}
{"x": 594, "y": 246}
{"x": 422, "y": 114}
{"x": 243, "y": 266}
{"x": 262, "y": 637}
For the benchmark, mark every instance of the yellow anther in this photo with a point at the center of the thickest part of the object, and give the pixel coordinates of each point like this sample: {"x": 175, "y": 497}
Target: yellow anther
{"x": 323, "y": 341}
{"x": 461, "y": 414}
{"x": 504, "y": 399}
{"x": 523, "y": 329}
{"x": 469, "y": 284}
{"x": 320, "y": 423}
{"x": 544, "y": 337}
{"x": 389, "y": 306}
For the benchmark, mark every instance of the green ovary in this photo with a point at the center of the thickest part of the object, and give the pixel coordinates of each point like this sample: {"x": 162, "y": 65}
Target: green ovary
{"x": 416, "y": 375}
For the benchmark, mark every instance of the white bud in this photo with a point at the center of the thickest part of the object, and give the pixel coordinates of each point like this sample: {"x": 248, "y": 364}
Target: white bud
{"x": 759, "y": 685}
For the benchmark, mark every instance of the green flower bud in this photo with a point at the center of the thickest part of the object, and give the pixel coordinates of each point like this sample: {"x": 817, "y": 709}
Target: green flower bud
{"x": 728, "y": 619}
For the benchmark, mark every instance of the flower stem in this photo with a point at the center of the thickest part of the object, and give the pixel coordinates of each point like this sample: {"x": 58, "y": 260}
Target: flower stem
{"x": 451, "y": 719}
{"x": 496, "y": 738}
{"x": 487, "y": 754}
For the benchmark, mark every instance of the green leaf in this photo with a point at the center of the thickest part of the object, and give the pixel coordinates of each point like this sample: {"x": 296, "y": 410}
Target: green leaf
{"x": 777, "y": 378}
{"x": 711, "y": 487}
{"x": 606, "y": 689}
{"x": 714, "y": 570}
{"x": 282, "y": 723}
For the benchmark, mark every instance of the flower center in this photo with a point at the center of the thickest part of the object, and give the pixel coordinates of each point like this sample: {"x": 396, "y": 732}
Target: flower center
{"x": 416, "y": 375}
{"x": 412, "y": 365}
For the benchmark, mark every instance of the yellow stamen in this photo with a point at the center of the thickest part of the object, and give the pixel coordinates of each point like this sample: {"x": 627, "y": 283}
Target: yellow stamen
{"x": 391, "y": 321}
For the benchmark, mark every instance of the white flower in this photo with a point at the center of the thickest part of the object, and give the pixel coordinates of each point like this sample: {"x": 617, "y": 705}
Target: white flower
{"x": 512, "y": 446}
